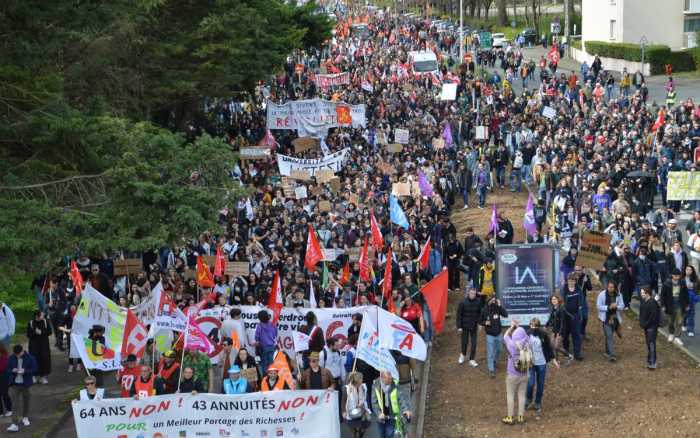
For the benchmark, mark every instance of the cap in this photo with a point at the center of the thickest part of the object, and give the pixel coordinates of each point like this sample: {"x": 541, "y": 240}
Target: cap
{"x": 672, "y": 221}
{"x": 676, "y": 272}
{"x": 131, "y": 358}
{"x": 170, "y": 354}
{"x": 234, "y": 369}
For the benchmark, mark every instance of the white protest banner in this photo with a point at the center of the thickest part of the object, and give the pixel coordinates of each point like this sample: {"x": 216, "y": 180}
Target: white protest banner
{"x": 307, "y": 414}
{"x": 330, "y": 80}
{"x": 368, "y": 87}
{"x": 549, "y": 112}
{"x": 330, "y": 254}
{"x": 398, "y": 334}
{"x": 482, "y": 133}
{"x": 301, "y": 341}
{"x": 96, "y": 355}
{"x": 449, "y": 91}
{"x": 401, "y": 135}
{"x": 313, "y": 118}
{"x": 96, "y": 309}
{"x": 369, "y": 350}
{"x": 254, "y": 153}
{"x": 333, "y": 162}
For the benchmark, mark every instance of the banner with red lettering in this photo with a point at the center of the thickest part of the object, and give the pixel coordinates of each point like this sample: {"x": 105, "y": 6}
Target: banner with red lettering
{"x": 325, "y": 81}
{"x": 313, "y": 118}
{"x": 307, "y": 414}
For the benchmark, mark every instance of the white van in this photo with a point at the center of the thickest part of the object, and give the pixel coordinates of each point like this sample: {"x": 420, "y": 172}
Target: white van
{"x": 424, "y": 62}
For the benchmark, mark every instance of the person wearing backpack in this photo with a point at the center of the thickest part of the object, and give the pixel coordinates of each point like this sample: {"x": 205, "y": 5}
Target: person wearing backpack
{"x": 542, "y": 354}
{"x": 519, "y": 363}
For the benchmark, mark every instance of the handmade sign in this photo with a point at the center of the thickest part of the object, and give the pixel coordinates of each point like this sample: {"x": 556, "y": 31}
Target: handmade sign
{"x": 401, "y": 135}
{"x": 302, "y": 144}
{"x": 236, "y": 269}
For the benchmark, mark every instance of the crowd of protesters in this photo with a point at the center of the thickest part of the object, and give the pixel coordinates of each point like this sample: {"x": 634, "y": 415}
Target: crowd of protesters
{"x": 597, "y": 164}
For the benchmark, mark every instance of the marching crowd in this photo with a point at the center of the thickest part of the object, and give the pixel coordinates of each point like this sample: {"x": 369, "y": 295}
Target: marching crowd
{"x": 593, "y": 164}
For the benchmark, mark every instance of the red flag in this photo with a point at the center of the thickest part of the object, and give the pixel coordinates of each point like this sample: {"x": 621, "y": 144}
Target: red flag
{"x": 204, "y": 277}
{"x": 220, "y": 263}
{"x": 660, "y": 120}
{"x": 314, "y": 254}
{"x": 435, "y": 293}
{"x": 424, "y": 256}
{"x": 386, "y": 285}
{"x": 274, "y": 301}
{"x": 346, "y": 274}
{"x": 135, "y": 336}
{"x": 377, "y": 239}
{"x": 364, "y": 262}
{"x": 76, "y": 277}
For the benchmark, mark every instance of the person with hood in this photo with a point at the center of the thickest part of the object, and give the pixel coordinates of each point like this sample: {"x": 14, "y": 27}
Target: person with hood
{"x": 468, "y": 314}
{"x": 572, "y": 297}
{"x": 491, "y": 319}
{"x": 235, "y": 383}
{"x": 674, "y": 296}
{"x": 542, "y": 354}
{"x": 649, "y": 317}
{"x": 610, "y": 307}
{"x": 517, "y": 341}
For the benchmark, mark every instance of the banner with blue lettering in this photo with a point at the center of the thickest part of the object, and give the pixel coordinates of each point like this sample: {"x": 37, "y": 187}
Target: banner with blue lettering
{"x": 525, "y": 281}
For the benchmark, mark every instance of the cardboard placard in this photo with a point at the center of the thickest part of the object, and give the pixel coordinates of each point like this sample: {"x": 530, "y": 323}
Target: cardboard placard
{"x": 302, "y": 175}
{"x": 401, "y": 135}
{"x": 401, "y": 189}
{"x": 335, "y": 184}
{"x": 381, "y": 138}
{"x": 324, "y": 206}
{"x": 438, "y": 143}
{"x": 549, "y": 112}
{"x": 354, "y": 254}
{"x": 415, "y": 189}
{"x": 394, "y": 147}
{"x": 250, "y": 374}
{"x": 595, "y": 248}
{"x": 127, "y": 266}
{"x": 235, "y": 269}
{"x": 330, "y": 254}
{"x": 316, "y": 191}
{"x": 324, "y": 175}
{"x": 302, "y": 144}
{"x": 354, "y": 199}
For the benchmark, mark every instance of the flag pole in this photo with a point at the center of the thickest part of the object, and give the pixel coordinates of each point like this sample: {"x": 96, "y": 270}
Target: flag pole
{"x": 184, "y": 346}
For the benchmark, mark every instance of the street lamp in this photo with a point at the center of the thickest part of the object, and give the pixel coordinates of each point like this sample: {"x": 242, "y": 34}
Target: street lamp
{"x": 461, "y": 32}
{"x": 642, "y": 42}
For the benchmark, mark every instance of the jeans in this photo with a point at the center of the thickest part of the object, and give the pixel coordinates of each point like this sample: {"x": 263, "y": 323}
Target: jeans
{"x": 5, "y": 401}
{"x": 516, "y": 384}
{"x": 17, "y": 392}
{"x": 435, "y": 261}
{"x": 465, "y": 196}
{"x": 467, "y": 334}
{"x": 537, "y": 375}
{"x": 387, "y": 428}
{"x": 481, "y": 191}
{"x": 516, "y": 179}
{"x": 572, "y": 329}
{"x": 267, "y": 356}
{"x": 689, "y": 322}
{"x": 501, "y": 175}
{"x": 494, "y": 345}
{"x": 609, "y": 342}
{"x": 650, "y": 340}
{"x": 527, "y": 173}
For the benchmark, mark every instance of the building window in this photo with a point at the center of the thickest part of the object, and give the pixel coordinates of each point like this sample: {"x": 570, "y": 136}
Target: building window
{"x": 612, "y": 29}
{"x": 691, "y": 24}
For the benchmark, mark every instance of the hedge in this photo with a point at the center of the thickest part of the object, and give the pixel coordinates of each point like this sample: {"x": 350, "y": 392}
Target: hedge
{"x": 656, "y": 55}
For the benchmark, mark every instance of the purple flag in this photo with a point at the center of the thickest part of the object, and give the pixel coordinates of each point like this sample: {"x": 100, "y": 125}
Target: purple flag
{"x": 447, "y": 135}
{"x": 493, "y": 227}
{"x": 529, "y": 219}
{"x": 426, "y": 189}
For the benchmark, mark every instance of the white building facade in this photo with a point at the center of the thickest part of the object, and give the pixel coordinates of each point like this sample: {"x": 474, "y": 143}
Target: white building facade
{"x": 669, "y": 22}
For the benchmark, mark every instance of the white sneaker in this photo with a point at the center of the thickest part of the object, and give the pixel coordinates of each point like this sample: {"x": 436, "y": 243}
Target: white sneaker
{"x": 670, "y": 338}
{"x": 691, "y": 334}
{"x": 70, "y": 368}
{"x": 13, "y": 428}
{"x": 461, "y": 359}
{"x": 473, "y": 363}
{"x": 25, "y": 421}
{"x": 8, "y": 413}
{"x": 678, "y": 342}
{"x": 684, "y": 329}
{"x": 44, "y": 381}
{"x": 465, "y": 207}
{"x": 34, "y": 379}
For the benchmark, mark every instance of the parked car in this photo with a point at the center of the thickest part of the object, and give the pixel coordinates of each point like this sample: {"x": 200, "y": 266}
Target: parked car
{"x": 499, "y": 40}
{"x": 529, "y": 35}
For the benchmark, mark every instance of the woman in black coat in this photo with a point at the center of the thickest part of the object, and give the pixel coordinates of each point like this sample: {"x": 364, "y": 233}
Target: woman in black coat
{"x": 38, "y": 332}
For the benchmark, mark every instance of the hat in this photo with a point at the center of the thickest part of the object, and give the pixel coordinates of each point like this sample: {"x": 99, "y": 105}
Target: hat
{"x": 314, "y": 355}
{"x": 234, "y": 369}
{"x": 170, "y": 354}
{"x": 672, "y": 221}
{"x": 131, "y": 358}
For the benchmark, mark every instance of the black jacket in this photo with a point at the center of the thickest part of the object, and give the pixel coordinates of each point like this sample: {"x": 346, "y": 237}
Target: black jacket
{"x": 667, "y": 296}
{"x": 649, "y": 314}
{"x": 492, "y": 312}
{"x": 468, "y": 313}
{"x": 556, "y": 320}
{"x": 546, "y": 344}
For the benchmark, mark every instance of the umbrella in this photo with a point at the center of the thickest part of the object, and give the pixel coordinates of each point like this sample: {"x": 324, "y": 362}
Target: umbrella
{"x": 640, "y": 174}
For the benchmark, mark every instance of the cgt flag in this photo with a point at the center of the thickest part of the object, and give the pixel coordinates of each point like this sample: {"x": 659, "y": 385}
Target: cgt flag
{"x": 435, "y": 293}
{"x": 377, "y": 239}
{"x": 314, "y": 253}
{"x": 204, "y": 277}
{"x": 135, "y": 336}
{"x": 398, "y": 334}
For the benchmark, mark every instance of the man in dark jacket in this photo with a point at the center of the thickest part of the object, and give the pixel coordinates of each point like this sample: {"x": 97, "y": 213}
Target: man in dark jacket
{"x": 454, "y": 258}
{"x": 674, "y": 296}
{"x": 21, "y": 368}
{"x": 491, "y": 320}
{"x": 649, "y": 317}
{"x": 468, "y": 314}
{"x": 505, "y": 230}
{"x": 573, "y": 298}
{"x": 643, "y": 270}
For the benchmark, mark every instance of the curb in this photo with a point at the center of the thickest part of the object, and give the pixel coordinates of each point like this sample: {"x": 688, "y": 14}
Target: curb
{"x": 422, "y": 396}
{"x": 56, "y": 428}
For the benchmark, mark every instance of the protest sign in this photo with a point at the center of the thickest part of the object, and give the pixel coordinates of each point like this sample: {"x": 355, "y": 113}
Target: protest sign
{"x": 313, "y": 117}
{"x": 549, "y": 112}
{"x": 683, "y": 186}
{"x": 300, "y": 192}
{"x": 595, "y": 248}
{"x": 96, "y": 309}
{"x": 401, "y": 135}
{"x": 127, "y": 267}
{"x": 330, "y": 80}
{"x": 254, "y": 153}
{"x": 324, "y": 206}
{"x": 236, "y": 269}
{"x": 324, "y": 175}
{"x": 301, "y": 175}
{"x": 401, "y": 189}
{"x": 481, "y": 133}
{"x": 302, "y": 144}
{"x": 438, "y": 143}
{"x": 394, "y": 147}
{"x": 353, "y": 199}
{"x": 309, "y": 414}
{"x": 333, "y": 162}
{"x": 525, "y": 279}
{"x": 335, "y": 184}
{"x": 449, "y": 91}
{"x": 330, "y": 254}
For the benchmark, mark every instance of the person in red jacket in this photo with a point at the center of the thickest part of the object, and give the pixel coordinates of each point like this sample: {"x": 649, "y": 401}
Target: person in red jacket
{"x": 128, "y": 375}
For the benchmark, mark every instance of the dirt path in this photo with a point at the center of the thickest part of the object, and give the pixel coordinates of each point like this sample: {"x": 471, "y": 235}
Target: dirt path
{"x": 589, "y": 398}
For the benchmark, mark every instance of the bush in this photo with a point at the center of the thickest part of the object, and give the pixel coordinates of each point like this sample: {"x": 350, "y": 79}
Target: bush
{"x": 656, "y": 55}
{"x": 15, "y": 291}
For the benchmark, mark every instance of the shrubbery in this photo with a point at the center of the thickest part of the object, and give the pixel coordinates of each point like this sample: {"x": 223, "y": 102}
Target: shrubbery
{"x": 656, "y": 55}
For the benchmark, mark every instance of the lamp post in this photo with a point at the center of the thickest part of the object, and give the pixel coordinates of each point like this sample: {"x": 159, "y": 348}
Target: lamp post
{"x": 642, "y": 42}
{"x": 461, "y": 32}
